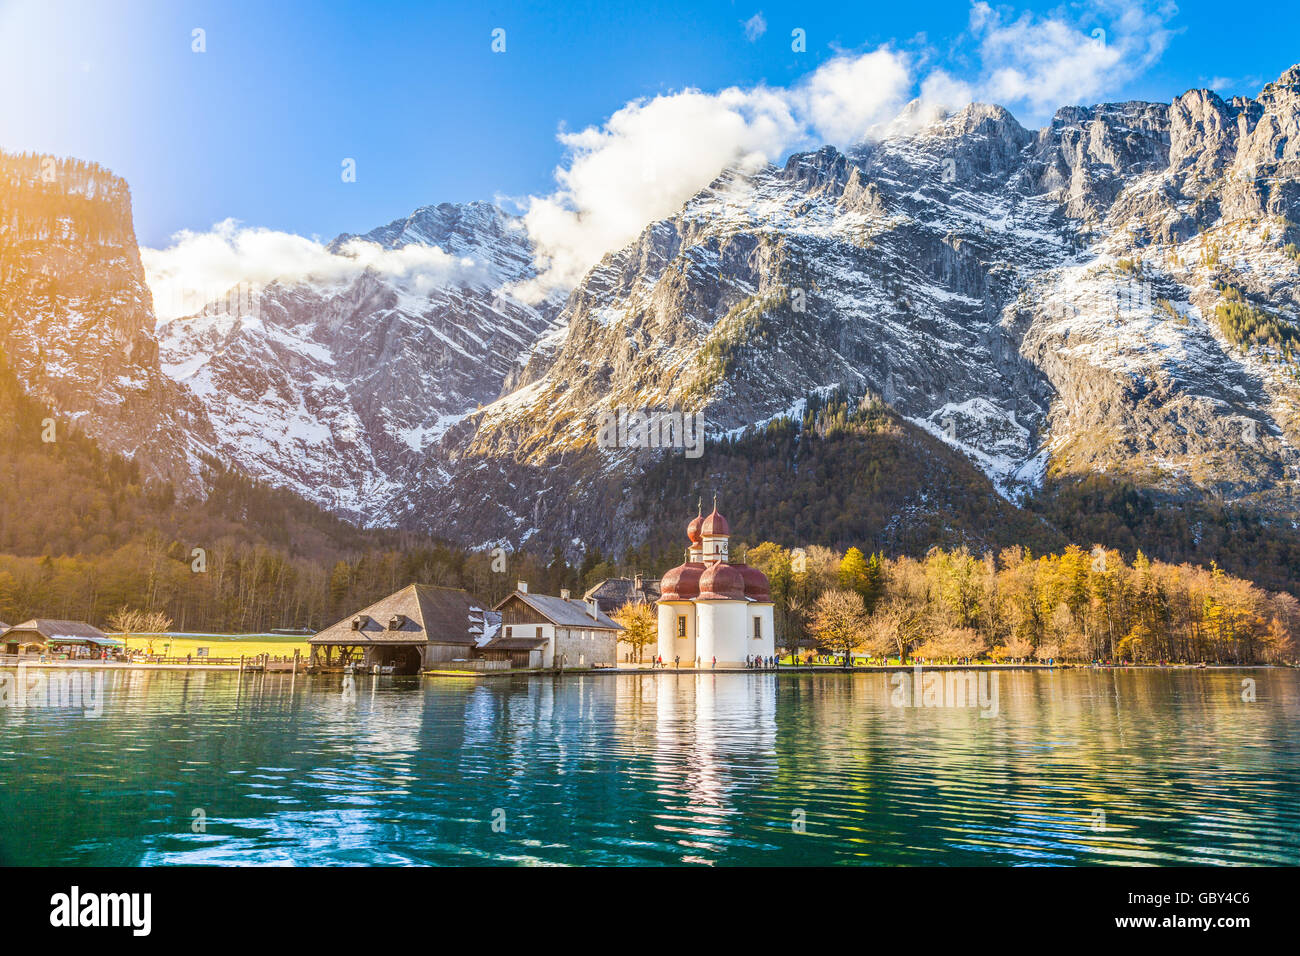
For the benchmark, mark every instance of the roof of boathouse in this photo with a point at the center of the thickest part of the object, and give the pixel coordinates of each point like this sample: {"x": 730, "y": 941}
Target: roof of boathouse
{"x": 417, "y": 614}
{"x": 76, "y": 632}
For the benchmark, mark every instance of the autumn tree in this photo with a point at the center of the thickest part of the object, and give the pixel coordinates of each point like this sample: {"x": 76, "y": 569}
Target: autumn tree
{"x": 639, "y": 626}
{"x": 1015, "y": 649}
{"x": 861, "y": 575}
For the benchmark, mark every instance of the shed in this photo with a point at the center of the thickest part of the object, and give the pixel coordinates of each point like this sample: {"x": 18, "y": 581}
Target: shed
{"x": 521, "y": 652}
{"x": 42, "y": 632}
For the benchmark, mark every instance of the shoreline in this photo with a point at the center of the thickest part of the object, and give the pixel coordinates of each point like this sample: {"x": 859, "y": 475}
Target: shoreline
{"x": 591, "y": 671}
{"x": 857, "y": 669}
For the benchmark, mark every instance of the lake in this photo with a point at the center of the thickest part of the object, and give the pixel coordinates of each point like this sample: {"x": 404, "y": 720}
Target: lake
{"x": 1074, "y": 767}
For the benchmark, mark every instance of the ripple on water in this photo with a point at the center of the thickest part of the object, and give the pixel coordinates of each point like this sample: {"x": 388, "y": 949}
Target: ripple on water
{"x": 1076, "y": 767}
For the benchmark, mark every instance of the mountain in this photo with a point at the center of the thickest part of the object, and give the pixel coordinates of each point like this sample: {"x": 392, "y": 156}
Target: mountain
{"x": 76, "y": 317}
{"x": 1113, "y": 295}
{"x": 965, "y": 331}
{"x": 333, "y": 386}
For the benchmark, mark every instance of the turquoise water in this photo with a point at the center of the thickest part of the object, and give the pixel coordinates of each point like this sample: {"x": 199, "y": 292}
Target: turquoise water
{"x": 1076, "y": 767}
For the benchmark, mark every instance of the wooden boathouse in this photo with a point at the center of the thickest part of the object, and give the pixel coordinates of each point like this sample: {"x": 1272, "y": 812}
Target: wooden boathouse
{"x": 418, "y": 627}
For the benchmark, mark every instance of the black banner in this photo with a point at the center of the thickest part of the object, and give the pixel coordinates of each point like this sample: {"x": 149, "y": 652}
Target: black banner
{"x": 333, "y": 905}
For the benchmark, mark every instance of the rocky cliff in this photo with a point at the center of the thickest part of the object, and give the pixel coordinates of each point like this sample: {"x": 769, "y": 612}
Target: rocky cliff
{"x": 1111, "y": 297}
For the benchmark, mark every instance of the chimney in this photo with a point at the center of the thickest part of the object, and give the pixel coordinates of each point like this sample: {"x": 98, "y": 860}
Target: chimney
{"x": 523, "y": 587}
{"x": 637, "y": 583}
{"x": 592, "y": 609}
{"x": 564, "y": 593}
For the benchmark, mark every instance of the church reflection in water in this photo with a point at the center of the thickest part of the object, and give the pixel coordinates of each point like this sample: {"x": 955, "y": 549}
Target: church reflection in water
{"x": 715, "y": 745}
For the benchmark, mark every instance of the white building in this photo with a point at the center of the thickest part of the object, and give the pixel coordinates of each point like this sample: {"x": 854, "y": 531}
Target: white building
{"x": 546, "y": 631}
{"x": 712, "y": 608}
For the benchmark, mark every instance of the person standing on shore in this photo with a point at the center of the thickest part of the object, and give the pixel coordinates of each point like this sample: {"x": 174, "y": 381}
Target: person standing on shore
{"x": 714, "y": 665}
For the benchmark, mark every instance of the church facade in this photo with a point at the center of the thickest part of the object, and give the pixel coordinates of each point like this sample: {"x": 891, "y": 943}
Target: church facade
{"x": 711, "y": 607}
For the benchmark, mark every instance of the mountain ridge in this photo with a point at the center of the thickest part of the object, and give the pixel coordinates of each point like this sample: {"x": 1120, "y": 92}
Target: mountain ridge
{"x": 1110, "y": 296}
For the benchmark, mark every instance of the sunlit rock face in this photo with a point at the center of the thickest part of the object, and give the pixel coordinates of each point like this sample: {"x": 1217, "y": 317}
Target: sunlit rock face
{"x": 335, "y": 388}
{"x": 76, "y": 317}
{"x": 1043, "y": 302}
{"x": 1113, "y": 294}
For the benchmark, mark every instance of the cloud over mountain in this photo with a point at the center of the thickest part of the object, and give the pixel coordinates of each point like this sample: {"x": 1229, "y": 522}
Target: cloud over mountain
{"x": 652, "y": 154}
{"x": 200, "y": 267}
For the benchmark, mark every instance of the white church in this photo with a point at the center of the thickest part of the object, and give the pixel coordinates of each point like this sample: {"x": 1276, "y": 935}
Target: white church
{"x": 709, "y": 607}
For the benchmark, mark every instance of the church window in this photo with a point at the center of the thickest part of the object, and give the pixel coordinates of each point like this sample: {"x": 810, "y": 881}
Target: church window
{"x": 681, "y": 625}
{"x": 758, "y": 628}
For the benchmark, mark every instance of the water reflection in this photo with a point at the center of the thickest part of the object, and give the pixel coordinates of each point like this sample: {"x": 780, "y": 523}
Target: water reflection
{"x": 1076, "y": 767}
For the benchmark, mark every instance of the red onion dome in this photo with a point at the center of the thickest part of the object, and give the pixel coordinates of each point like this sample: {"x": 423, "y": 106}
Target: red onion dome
{"x": 715, "y": 524}
{"x": 757, "y": 586}
{"x": 682, "y": 583}
{"x": 693, "y": 529}
{"x": 722, "y": 582}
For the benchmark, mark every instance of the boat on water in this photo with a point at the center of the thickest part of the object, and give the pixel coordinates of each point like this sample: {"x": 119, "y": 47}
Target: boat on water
{"x": 373, "y": 669}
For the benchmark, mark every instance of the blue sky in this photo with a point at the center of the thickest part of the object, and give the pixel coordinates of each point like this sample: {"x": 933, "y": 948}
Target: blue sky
{"x": 256, "y": 127}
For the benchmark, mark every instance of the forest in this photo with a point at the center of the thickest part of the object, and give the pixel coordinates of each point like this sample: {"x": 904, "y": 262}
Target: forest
{"x": 1077, "y": 605}
{"x": 850, "y": 472}
{"x": 82, "y": 535}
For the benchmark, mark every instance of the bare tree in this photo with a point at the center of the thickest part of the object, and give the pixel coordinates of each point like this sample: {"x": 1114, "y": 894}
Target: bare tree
{"x": 127, "y": 621}
{"x": 839, "y": 621}
{"x": 897, "y": 626}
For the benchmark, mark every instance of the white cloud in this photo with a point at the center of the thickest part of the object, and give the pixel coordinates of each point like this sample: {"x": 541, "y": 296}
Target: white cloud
{"x": 941, "y": 88}
{"x": 847, "y": 96}
{"x": 652, "y": 155}
{"x": 200, "y": 267}
{"x": 1041, "y": 63}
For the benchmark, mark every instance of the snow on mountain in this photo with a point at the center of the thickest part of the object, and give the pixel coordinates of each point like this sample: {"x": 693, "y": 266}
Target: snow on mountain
{"x": 1047, "y": 303}
{"x": 333, "y": 388}
{"x": 1114, "y": 294}
{"x": 76, "y": 317}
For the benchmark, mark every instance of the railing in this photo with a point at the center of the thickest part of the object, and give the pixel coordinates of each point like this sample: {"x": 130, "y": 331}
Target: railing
{"x": 12, "y": 660}
{"x": 260, "y": 662}
{"x": 477, "y": 665}
{"x": 210, "y": 661}
{"x": 269, "y": 662}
